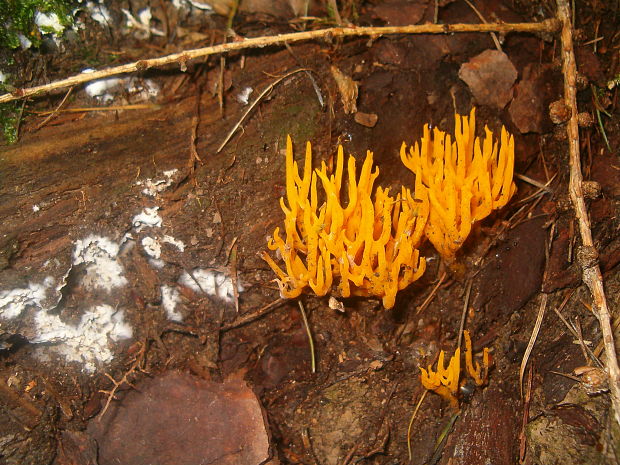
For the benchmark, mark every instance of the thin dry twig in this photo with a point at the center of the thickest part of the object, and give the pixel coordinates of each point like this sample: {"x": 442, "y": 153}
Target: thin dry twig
{"x": 193, "y": 152}
{"x": 587, "y": 256}
{"x": 532, "y": 341}
{"x": 571, "y": 328}
{"x": 493, "y": 35}
{"x": 267, "y": 89}
{"x": 315, "y": 84}
{"x": 234, "y": 276}
{"x": 432, "y": 294}
{"x": 409, "y": 428}
{"x": 181, "y": 58}
{"x": 464, "y": 314}
{"x": 526, "y": 416}
{"x": 55, "y": 112}
{"x": 533, "y": 182}
{"x": 309, "y": 333}
{"x": 136, "y": 106}
{"x": 250, "y": 317}
{"x": 135, "y": 367}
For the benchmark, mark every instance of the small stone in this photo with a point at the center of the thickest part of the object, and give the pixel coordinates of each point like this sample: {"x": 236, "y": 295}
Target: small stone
{"x": 335, "y": 304}
{"x": 182, "y": 420}
{"x": 490, "y": 77}
{"x": 366, "y": 119}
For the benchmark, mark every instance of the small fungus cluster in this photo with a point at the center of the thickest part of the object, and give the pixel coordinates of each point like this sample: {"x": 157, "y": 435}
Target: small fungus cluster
{"x": 445, "y": 381}
{"x": 464, "y": 180}
{"x": 368, "y": 246}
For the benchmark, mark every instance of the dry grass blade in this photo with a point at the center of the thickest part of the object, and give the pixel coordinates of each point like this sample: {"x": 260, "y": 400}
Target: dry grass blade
{"x": 532, "y": 341}
{"x": 493, "y": 35}
{"x": 54, "y": 112}
{"x": 526, "y": 416}
{"x": 250, "y": 317}
{"x": 432, "y": 294}
{"x": 309, "y": 333}
{"x": 136, "y": 106}
{"x": 439, "y": 445}
{"x": 413, "y": 415}
{"x": 464, "y": 314}
{"x": 267, "y": 89}
{"x": 571, "y": 328}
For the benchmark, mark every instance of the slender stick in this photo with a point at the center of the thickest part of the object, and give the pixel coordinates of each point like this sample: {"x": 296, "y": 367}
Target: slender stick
{"x": 181, "y": 58}
{"x": 532, "y": 341}
{"x": 309, "y": 333}
{"x": 409, "y": 429}
{"x": 588, "y": 256}
{"x": 267, "y": 89}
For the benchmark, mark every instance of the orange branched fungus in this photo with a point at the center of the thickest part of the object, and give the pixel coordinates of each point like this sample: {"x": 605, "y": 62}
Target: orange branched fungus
{"x": 478, "y": 374}
{"x": 368, "y": 247}
{"x": 464, "y": 180}
{"x": 445, "y": 381}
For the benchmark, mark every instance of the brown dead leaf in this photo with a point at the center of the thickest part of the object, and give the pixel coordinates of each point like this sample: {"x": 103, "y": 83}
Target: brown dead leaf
{"x": 348, "y": 90}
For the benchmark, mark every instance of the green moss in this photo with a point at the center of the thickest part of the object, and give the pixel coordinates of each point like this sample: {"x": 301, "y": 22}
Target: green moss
{"x": 9, "y": 117}
{"x": 17, "y": 17}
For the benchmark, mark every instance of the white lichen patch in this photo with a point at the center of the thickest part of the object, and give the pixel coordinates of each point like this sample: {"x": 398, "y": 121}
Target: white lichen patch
{"x": 244, "y": 95}
{"x": 100, "y": 89}
{"x": 151, "y": 247}
{"x": 103, "y": 271}
{"x": 106, "y": 89}
{"x": 99, "y": 13}
{"x": 211, "y": 283}
{"x": 170, "y": 298}
{"x": 14, "y": 301}
{"x": 48, "y": 23}
{"x": 142, "y": 23}
{"x": 24, "y": 41}
{"x": 152, "y": 187}
{"x": 175, "y": 242}
{"x": 192, "y": 3}
{"x": 148, "y": 218}
{"x": 143, "y": 89}
{"x": 88, "y": 342}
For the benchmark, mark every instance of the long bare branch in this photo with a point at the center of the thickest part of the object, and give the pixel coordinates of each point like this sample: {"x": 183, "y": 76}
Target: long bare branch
{"x": 182, "y": 58}
{"x": 587, "y": 255}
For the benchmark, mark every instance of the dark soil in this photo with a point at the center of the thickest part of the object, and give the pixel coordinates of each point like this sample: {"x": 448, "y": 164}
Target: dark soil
{"x": 79, "y": 172}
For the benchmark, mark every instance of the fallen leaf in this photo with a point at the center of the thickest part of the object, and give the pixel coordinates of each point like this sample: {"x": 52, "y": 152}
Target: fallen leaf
{"x": 348, "y": 90}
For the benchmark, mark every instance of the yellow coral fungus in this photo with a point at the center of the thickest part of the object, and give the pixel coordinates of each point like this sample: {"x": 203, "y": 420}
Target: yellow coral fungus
{"x": 479, "y": 374}
{"x": 445, "y": 381}
{"x": 368, "y": 246}
{"x": 464, "y": 180}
